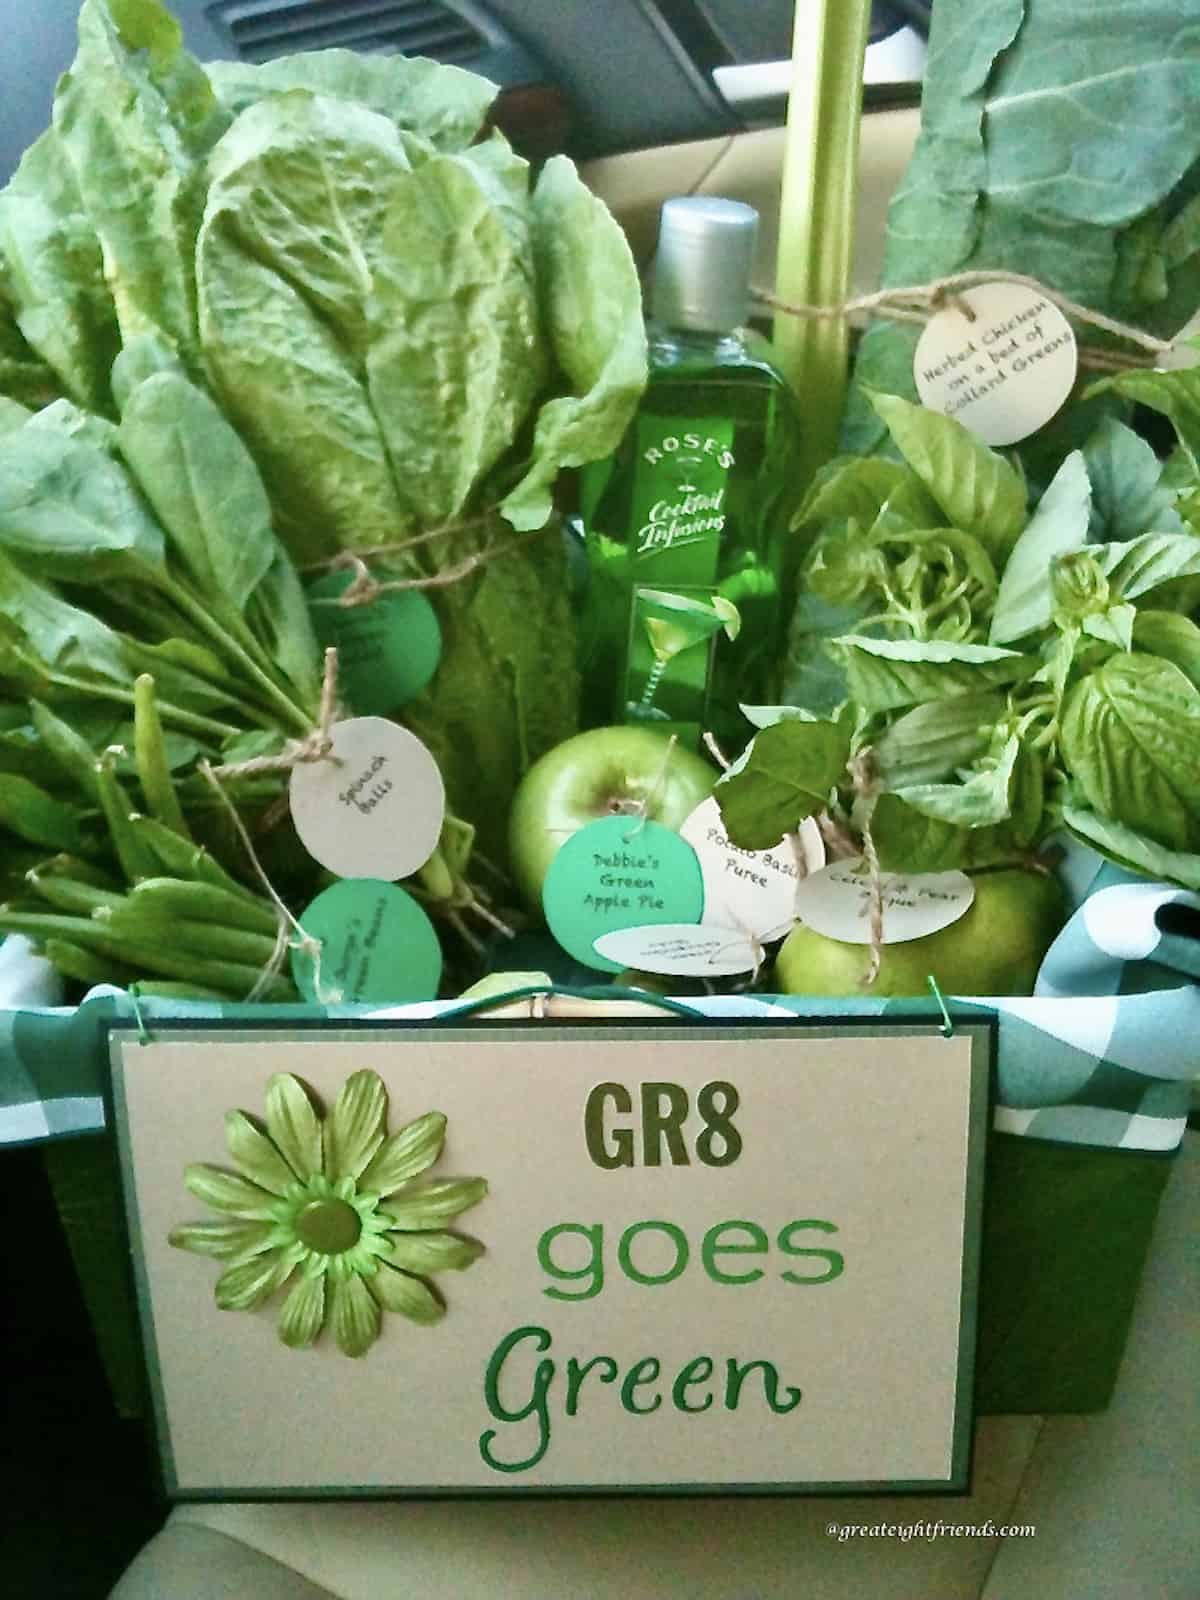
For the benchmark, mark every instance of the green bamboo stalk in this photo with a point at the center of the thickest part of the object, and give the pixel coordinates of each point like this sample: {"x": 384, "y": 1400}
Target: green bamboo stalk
{"x": 817, "y": 211}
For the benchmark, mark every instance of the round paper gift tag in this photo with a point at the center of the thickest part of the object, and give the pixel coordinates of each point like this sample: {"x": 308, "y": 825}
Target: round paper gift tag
{"x": 682, "y": 950}
{"x": 375, "y": 808}
{"x": 837, "y": 902}
{"x": 377, "y": 945}
{"x": 388, "y": 650}
{"x": 1000, "y": 358}
{"x": 619, "y": 872}
{"x": 754, "y": 890}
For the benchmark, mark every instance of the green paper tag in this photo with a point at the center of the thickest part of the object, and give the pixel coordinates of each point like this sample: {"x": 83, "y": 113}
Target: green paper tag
{"x": 619, "y": 872}
{"x": 377, "y": 945}
{"x": 387, "y": 651}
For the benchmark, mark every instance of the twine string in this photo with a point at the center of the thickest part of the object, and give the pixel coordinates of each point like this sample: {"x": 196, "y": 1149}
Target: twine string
{"x": 864, "y": 776}
{"x": 290, "y": 935}
{"x": 918, "y": 302}
{"x": 364, "y": 588}
{"x": 316, "y": 746}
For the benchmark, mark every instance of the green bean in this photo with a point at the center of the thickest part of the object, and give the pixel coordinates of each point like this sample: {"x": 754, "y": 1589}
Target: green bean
{"x": 69, "y": 894}
{"x": 64, "y": 865}
{"x": 136, "y": 858}
{"x": 206, "y": 939}
{"x": 205, "y": 902}
{"x": 150, "y": 754}
{"x": 235, "y": 979}
{"x": 36, "y": 816}
{"x": 165, "y": 989}
{"x": 68, "y": 747}
{"x": 187, "y": 861}
{"x": 73, "y": 961}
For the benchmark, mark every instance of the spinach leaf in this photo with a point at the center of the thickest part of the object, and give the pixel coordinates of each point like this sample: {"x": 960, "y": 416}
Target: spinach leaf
{"x": 1130, "y": 738}
{"x": 70, "y": 511}
{"x": 199, "y": 477}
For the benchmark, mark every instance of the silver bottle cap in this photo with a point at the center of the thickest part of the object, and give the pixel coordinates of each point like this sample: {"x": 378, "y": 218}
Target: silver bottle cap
{"x": 705, "y": 257}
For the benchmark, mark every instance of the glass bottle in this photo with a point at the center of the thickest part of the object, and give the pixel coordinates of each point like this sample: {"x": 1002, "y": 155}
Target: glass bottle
{"x": 686, "y": 524}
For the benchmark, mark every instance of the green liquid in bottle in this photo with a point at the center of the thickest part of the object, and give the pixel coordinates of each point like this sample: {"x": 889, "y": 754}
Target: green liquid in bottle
{"x": 694, "y": 505}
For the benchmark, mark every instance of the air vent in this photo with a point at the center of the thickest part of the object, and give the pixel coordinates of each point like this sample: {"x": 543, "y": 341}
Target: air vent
{"x": 261, "y": 29}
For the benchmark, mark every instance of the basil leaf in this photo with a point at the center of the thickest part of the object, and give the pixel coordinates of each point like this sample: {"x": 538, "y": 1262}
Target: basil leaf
{"x": 976, "y": 488}
{"x": 1174, "y": 394}
{"x": 786, "y": 774}
{"x": 908, "y": 841}
{"x": 1130, "y": 738}
{"x": 1060, "y": 524}
{"x": 1128, "y": 496}
{"x": 859, "y": 488}
{"x": 1132, "y": 849}
{"x": 928, "y": 743}
{"x": 982, "y": 801}
{"x": 1136, "y": 566}
{"x": 887, "y": 674}
{"x": 1171, "y": 637}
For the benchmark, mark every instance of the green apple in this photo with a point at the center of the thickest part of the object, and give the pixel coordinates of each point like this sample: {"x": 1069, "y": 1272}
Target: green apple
{"x": 995, "y": 948}
{"x": 602, "y": 773}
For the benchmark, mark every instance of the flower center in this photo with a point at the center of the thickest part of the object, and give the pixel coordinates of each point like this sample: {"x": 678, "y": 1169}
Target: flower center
{"x": 330, "y": 1226}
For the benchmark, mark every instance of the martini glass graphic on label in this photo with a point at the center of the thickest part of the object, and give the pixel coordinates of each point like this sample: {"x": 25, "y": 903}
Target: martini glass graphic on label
{"x": 673, "y": 624}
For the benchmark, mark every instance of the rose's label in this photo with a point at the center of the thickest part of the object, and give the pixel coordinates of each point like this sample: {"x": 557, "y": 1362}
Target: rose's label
{"x": 375, "y": 808}
{"x": 387, "y": 651}
{"x": 376, "y": 942}
{"x": 683, "y": 950}
{"x": 754, "y": 890}
{"x": 1000, "y": 358}
{"x": 620, "y": 872}
{"x": 836, "y": 901}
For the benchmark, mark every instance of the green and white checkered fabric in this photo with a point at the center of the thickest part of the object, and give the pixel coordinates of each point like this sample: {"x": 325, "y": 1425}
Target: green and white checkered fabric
{"x": 1104, "y": 1055}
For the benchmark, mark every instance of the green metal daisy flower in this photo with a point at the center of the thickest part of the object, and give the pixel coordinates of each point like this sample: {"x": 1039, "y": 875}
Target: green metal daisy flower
{"x": 338, "y": 1206}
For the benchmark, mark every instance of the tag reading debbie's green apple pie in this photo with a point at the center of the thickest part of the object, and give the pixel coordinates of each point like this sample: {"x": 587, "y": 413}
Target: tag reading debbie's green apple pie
{"x": 619, "y": 872}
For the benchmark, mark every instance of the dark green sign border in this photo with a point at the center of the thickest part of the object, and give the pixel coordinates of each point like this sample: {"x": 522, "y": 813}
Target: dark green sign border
{"x": 981, "y": 1031}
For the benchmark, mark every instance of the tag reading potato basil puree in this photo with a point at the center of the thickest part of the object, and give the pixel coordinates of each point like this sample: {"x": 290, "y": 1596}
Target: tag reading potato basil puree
{"x": 753, "y": 890}
{"x": 681, "y": 950}
{"x": 836, "y": 901}
{"x": 1004, "y": 370}
{"x": 387, "y": 651}
{"x": 376, "y": 808}
{"x": 377, "y": 944}
{"x": 619, "y": 872}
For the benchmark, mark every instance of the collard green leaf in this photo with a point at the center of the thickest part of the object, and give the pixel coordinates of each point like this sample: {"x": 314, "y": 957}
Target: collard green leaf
{"x": 1047, "y": 130}
{"x": 1128, "y": 496}
{"x": 975, "y": 487}
{"x": 442, "y": 103}
{"x": 199, "y": 477}
{"x": 136, "y": 117}
{"x": 1129, "y": 848}
{"x": 786, "y": 775}
{"x": 889, "y": 674}
{"x": 591, "y": 308}
{"x": 1130, "y": 738}
{"x": 1025, "y": 601}
{"x": 71, "y": 511}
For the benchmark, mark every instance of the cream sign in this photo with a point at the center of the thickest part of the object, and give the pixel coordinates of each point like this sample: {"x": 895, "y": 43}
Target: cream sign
{"x": 675, "y": 1257}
